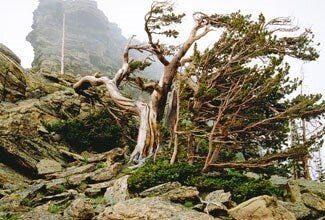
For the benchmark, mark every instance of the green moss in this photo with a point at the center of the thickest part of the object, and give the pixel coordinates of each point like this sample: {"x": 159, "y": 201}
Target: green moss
{"x": 240, "y": 186}
{"x": 100, "y": 165}
{"x": 55, "y": 209}
{"x": 60, "y": 189}
{"x": 100, "y": 199}
{"x": 13, "y": 217}
{"x": 188, "y": 204}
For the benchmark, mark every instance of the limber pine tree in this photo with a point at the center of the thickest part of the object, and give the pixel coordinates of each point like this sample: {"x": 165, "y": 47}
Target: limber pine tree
{"x": 158, "y": 22}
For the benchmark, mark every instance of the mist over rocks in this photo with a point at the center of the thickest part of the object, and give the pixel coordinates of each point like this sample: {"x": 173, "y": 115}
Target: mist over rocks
{"x": 92, "y": 43}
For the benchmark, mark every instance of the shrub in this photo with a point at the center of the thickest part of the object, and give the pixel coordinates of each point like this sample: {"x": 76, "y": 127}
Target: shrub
{"x": 155, "y": 173}
{"x": 97, "y": 132}
{"x": 240, "y": 186}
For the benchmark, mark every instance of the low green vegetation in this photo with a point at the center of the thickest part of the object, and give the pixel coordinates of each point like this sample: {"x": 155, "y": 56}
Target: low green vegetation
{"x": 188, "y": 204}
{"x": 161, "y": 171}
{"x": 240, "y": 186}
{"x": 54, "y": 208}
{"x": 60, "y": 189}
{"x": 99, "y": 199}
{"x": 8, "y": 216}
{"x": 98, "y": 132}
{"x": 100, "y": 165}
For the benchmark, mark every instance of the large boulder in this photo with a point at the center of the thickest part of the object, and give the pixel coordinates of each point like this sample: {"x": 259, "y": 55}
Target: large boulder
{"x": 160, "y": 189}
{"x": 299, "y": 209}
{"x": 317, "y": 188}
{"x": 215, "y": 202}
{"x": 151, "y": 208}
{"x": 313, "y": 201}
{"x": 118, "y": 191}
{"x": 12, "y": 76}
{"x": 46, "y": 166}
{"x": 306, "y": 198}
{"x": 10, "y": 181}
{"x": 259, "y": 208}
{"x": 41, "y": 213}
{"x": 23, "y": 141}
{"x": 80, "y": 208}
{"x": 41, "y": 83}
{"x": 172, "y": 191}
{"x": 20, "y": 197}
{"x": 218, "y": 196}
{"x": 182, "y": 194}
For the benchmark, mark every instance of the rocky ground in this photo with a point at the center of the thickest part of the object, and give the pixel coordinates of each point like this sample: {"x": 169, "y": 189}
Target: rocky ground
{"x": 95, "y": 187}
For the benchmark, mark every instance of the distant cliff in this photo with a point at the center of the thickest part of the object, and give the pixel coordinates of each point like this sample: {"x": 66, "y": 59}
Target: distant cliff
{"x": 92, "y": 43}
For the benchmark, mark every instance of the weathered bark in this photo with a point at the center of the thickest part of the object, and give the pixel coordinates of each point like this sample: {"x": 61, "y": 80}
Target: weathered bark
{"x": 147, "y": 140}
{"x": 175, "y": 152}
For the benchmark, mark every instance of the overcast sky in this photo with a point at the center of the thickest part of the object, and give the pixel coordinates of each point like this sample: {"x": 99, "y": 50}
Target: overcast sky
{"x": 16, "y": 20}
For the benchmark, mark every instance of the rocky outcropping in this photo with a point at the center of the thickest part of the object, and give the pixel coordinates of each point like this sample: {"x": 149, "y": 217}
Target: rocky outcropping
{"x": 27, "y": 100}
{"x": 262, "y": 207}
{"x": 23, "y": 140}
{"x": 306, "y": 198}
{"x": 8, "y": 53}
{"x": 92, "y": 43}
{"x": 12, "y": 78}
{"x": 67, "y": 187}
{"x": 150, "y": 208}
{"x": 118, "y": 191}
{"x": 86, "y": 188}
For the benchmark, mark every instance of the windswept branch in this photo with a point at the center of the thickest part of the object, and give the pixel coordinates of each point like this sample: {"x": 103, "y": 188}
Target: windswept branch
{"x": 124, "y": 71}
{"x": 123, "y": 102}
{"x": 150, "y": 26}
{"x": 263, "y": 162}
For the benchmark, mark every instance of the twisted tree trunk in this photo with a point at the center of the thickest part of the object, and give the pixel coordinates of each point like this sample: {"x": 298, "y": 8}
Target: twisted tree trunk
{"x": 150, "y": 113}
{"x": 147, "y": 141}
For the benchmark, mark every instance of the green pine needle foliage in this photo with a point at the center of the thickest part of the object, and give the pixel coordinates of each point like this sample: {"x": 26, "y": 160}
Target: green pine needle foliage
{"x": 240, "y": 186}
